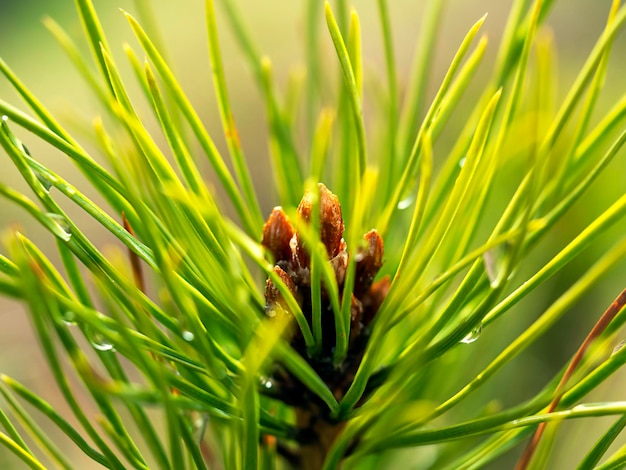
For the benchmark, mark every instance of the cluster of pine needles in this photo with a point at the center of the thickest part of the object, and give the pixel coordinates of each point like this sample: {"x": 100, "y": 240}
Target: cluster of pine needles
{"x": 354, "y": 319}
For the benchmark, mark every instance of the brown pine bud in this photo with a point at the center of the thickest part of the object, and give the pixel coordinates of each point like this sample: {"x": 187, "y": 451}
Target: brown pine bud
{"x": 274, "y": 300}
{"x": 368, "y": 262}
{"x": 331, "y": 221}
{"x": 304, "y": 211}
{"x": 277, "y": 233}
{"x": 340, "y": 265}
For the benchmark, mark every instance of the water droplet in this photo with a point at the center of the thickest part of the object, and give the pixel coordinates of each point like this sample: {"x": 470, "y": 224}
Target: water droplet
{"x": 60, "y": 226}
{"x": 201, "y": 424}
{"x": 496, "y": 261}
{"x": 266, "y": 382}
{"x": 406, "y": 202}
{"x": 584, "y": 406}
{"x": 473, "y": 335}
{"x": 462, "y": 162}
{"x": 187, "y": 335}
{"x": 43, "y": 179}
{"x": 99, "y": 342}
{"x": 70, "y": 191}
{"x": 618, "y": 347}
{"x": 102, "y": 345}
{"x": 69, "y": 317}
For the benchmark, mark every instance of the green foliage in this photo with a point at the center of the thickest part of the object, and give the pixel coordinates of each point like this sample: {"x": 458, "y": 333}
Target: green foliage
{"x": 182, "y": 326}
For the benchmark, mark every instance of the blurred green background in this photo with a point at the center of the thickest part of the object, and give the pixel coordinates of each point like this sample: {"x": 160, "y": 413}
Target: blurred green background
{"x": 277, "y": 25}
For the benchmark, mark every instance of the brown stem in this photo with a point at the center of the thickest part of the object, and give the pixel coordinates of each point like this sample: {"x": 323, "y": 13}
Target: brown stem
{"x": 596, "y": 331}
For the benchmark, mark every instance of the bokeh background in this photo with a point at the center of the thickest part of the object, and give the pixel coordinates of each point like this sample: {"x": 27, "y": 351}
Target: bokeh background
{"x": 277, "y": 25}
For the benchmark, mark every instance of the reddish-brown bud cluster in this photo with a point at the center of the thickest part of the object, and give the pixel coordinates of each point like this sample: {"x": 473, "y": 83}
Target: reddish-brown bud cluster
{"x": 292, "y": 265}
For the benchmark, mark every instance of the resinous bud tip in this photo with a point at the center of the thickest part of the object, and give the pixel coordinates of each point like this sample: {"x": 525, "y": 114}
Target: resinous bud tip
{"x": 331, "y": 220}
{"x": 277, "y": 233}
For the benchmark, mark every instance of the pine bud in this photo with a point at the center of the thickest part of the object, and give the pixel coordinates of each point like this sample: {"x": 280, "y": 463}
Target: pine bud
{"x": 277, "y": 233}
